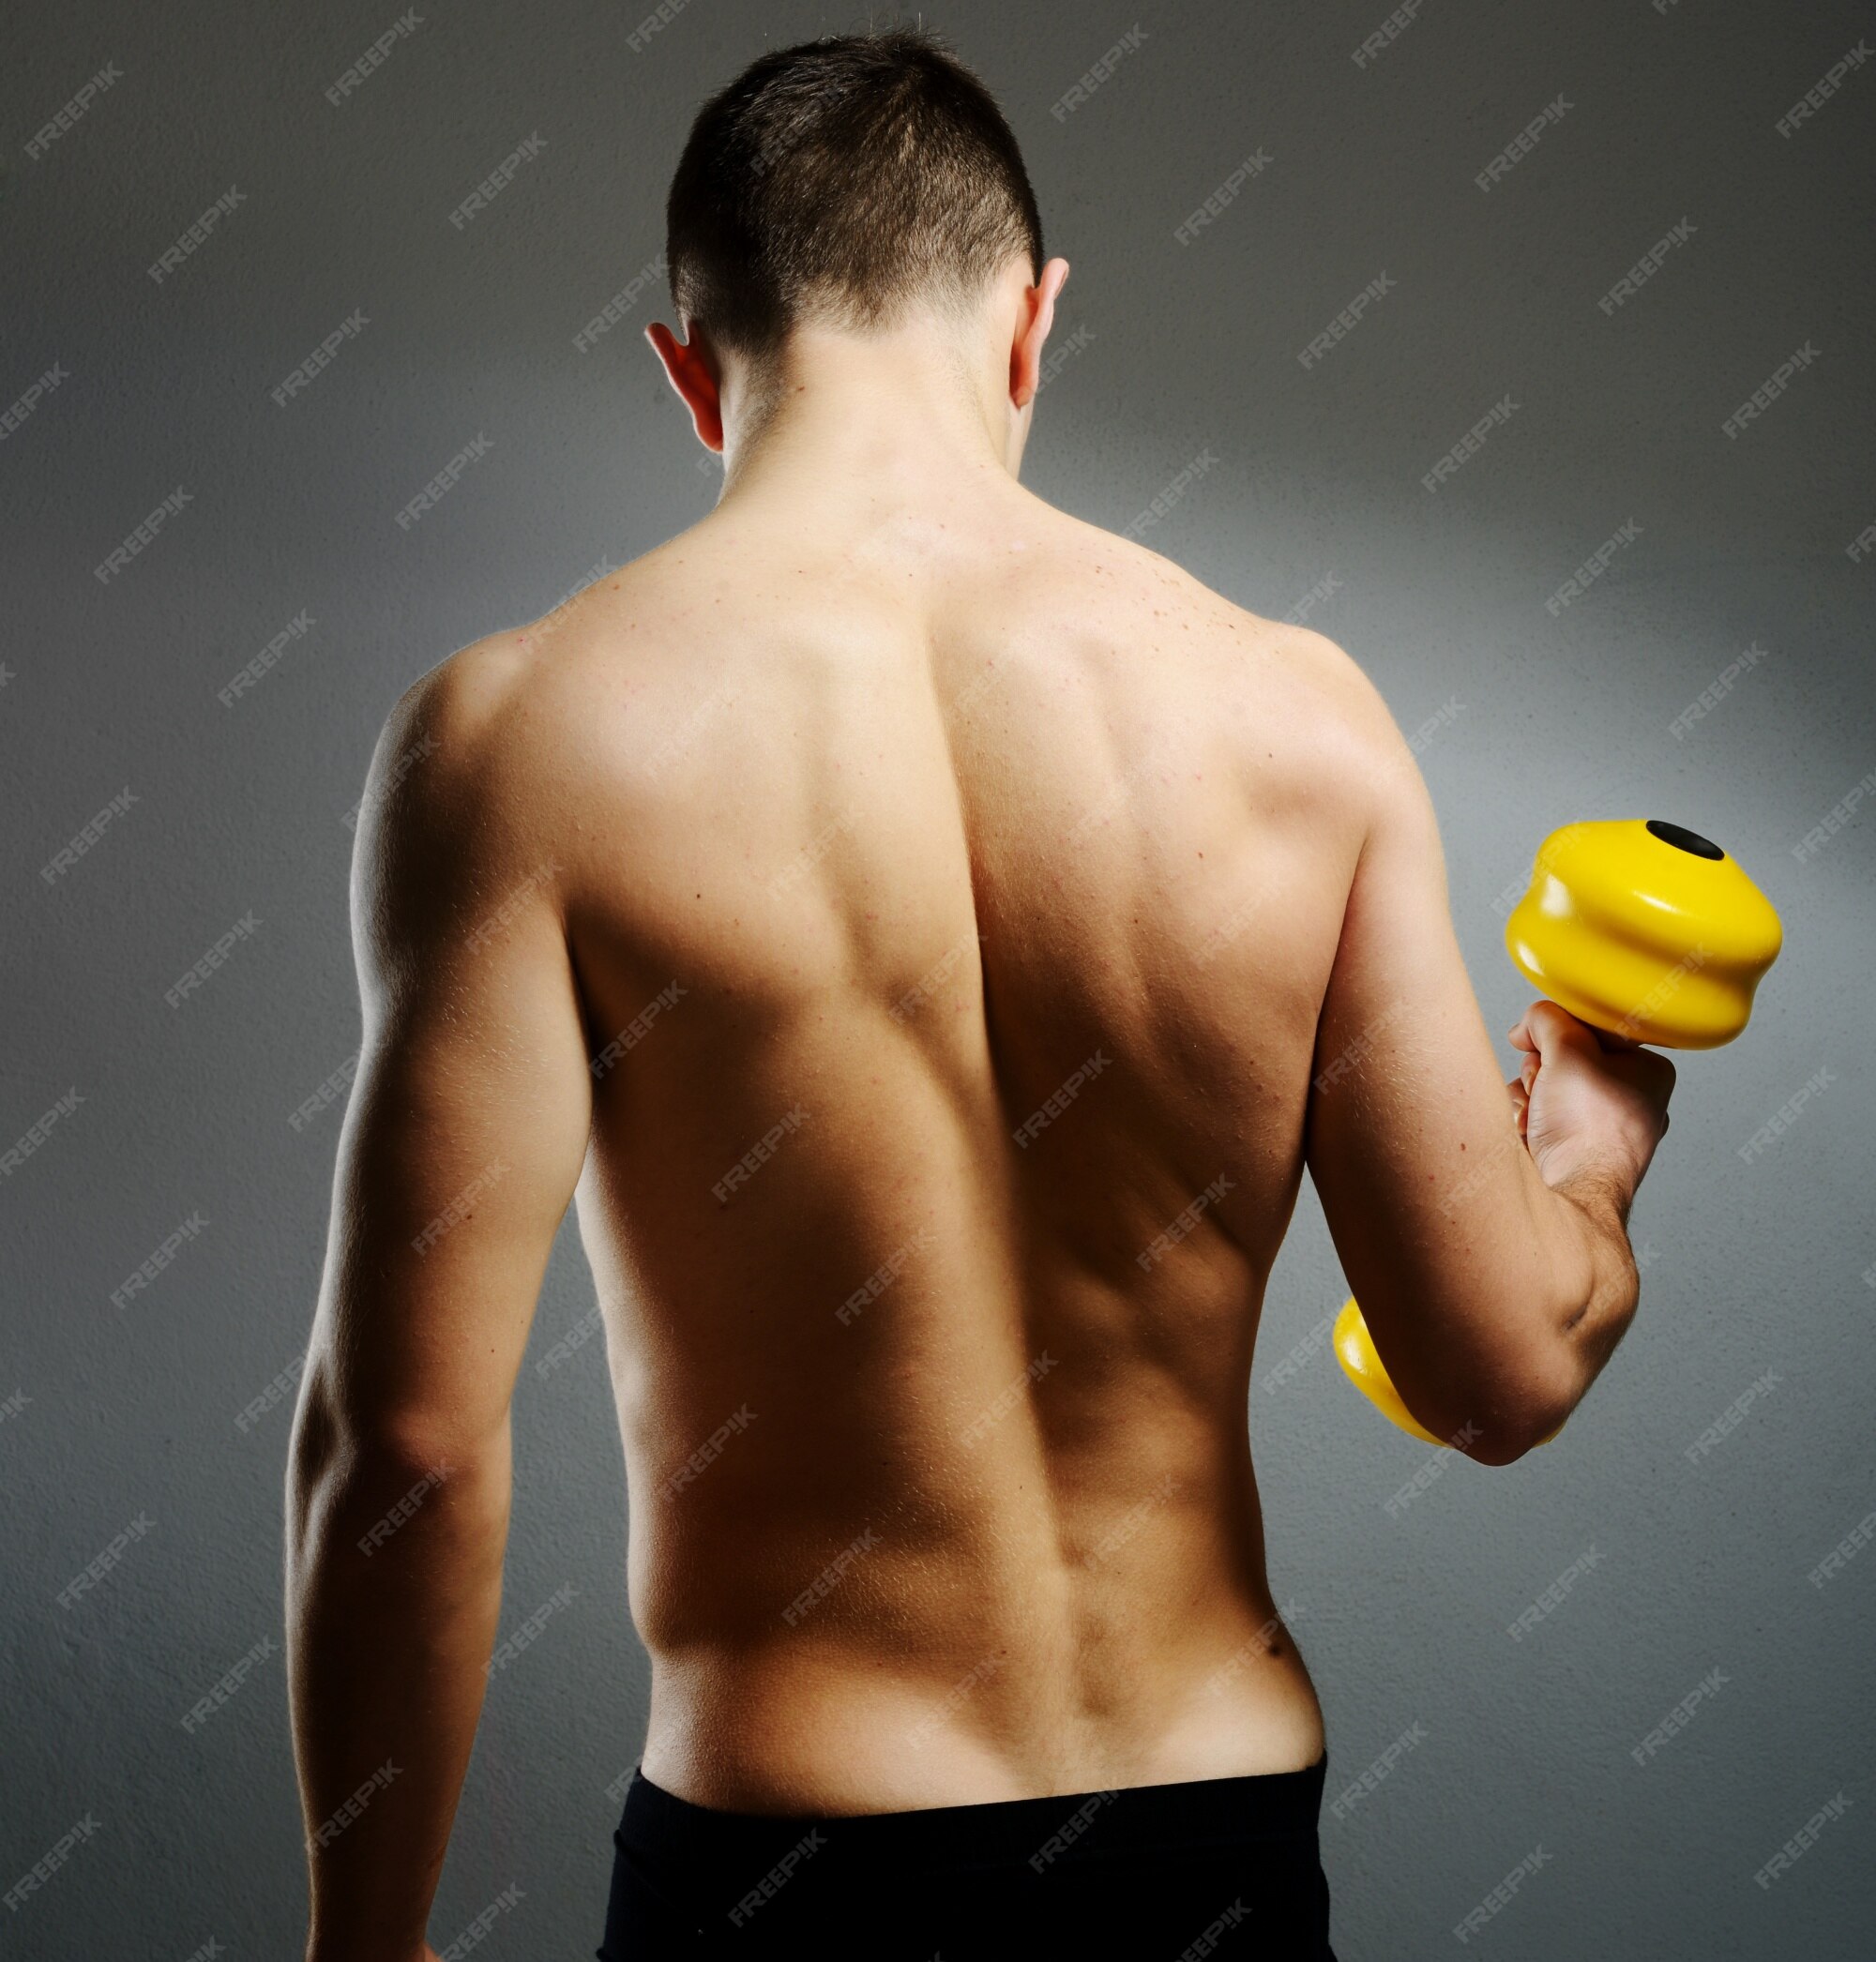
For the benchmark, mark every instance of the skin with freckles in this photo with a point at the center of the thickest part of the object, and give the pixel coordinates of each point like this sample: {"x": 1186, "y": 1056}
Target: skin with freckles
{"x": 927, "y": 937}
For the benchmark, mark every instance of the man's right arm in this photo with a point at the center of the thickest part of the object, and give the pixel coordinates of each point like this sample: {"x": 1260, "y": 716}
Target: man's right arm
{"x": 1495, "y": 1279}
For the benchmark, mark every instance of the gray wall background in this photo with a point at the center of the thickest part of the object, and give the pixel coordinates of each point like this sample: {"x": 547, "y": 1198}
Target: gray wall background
{"x": 138, "y": 1430}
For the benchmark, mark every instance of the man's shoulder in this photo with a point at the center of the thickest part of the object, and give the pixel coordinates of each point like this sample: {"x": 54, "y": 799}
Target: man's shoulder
{"x": 1343, "y": 702}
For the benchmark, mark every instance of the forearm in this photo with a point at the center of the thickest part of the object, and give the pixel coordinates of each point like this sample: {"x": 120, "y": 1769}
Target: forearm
{"x": 1584, "y": 1218}
{"x": 1597, "y": 1204}
{"x": 393, "y": 1597}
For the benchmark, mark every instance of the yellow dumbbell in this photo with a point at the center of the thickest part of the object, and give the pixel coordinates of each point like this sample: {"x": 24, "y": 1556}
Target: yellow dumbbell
{"x": 1640, "y": 929}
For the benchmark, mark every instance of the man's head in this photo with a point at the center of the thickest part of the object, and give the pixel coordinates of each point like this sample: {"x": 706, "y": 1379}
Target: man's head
{"x": 863, "y": 186}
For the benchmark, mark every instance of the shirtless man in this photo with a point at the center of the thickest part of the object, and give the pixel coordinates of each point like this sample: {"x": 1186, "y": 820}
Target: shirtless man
{"x": 928, "y": 937}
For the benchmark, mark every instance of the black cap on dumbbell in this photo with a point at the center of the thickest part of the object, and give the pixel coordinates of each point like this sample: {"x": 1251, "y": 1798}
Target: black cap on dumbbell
{"x": 1687, "y": 840}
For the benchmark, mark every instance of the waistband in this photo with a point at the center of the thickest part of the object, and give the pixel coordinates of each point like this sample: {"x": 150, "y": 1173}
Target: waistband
{"x": 1194, "y": 1812}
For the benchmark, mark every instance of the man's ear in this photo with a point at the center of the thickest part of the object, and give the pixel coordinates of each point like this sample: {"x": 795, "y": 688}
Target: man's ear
{"x": 692, "y": 371}
{"x": 1032, "y": 330}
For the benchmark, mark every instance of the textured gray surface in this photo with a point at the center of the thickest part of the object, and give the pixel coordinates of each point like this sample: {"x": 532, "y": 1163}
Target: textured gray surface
{"x": 1759, "y": 1268}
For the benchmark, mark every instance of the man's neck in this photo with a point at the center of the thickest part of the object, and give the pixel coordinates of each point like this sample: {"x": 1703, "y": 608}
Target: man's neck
{"x": 860, "y": 423}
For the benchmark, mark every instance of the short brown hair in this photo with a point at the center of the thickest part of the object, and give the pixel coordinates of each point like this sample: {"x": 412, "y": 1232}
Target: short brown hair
{"x": 838, "y": 180}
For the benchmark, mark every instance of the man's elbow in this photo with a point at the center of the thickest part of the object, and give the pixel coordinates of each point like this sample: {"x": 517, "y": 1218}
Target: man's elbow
{"x": 342, "y": 1463}
{"x": 1517, "y": 1408}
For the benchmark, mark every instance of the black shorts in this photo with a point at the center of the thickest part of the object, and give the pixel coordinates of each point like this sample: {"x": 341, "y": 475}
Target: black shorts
{"x": 1168, "y": 1873}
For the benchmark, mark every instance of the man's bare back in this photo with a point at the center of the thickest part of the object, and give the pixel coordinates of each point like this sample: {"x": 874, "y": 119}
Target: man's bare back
{"x": 982, "y": 874}
{"x": 928, "y": 938}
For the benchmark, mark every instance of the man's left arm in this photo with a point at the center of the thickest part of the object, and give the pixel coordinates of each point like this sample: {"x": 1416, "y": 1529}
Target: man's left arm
{"x": 463, "y": 1144}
